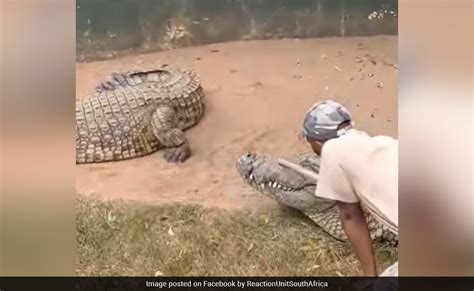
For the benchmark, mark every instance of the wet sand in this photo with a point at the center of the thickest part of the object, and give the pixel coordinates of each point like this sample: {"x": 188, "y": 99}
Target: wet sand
{"x": 256, "y": 95}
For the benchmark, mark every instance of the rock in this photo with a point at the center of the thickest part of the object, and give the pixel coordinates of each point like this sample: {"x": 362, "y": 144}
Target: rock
{"x": 297, "y": 76}
{"x": 257, "y": 84}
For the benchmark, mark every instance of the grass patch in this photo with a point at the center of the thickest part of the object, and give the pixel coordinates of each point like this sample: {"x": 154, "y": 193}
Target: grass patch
{"x": 120, "y": 238}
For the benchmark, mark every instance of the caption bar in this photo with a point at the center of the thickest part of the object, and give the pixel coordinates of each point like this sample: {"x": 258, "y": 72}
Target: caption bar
{"x": 235, "y": 284}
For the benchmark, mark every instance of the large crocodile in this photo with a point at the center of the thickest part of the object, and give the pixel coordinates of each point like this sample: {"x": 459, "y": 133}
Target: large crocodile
{"x": 137, "y": 113}
{"x": 297, "y": 191}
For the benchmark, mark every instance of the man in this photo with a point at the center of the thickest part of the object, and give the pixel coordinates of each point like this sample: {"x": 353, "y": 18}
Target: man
{"x": 355, "y": 168}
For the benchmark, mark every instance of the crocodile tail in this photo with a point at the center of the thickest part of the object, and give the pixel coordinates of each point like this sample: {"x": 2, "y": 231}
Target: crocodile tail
{"x": 128, "y": 79}
{"x": 117, "y": 80}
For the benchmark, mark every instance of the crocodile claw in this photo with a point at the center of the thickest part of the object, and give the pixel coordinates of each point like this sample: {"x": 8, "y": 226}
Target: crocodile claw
{"x": 178, "y": 154}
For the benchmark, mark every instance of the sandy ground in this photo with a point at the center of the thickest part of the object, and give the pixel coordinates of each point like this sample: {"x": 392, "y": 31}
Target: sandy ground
{"x": 257, "y": 93}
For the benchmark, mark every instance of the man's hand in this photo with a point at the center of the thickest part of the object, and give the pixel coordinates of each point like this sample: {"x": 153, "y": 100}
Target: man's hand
{"x": 356, "y": 229}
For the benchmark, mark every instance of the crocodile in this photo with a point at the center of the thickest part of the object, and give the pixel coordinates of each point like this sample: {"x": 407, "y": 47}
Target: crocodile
{"x": 292, "y": 189}
{"x": 136, "y": 113}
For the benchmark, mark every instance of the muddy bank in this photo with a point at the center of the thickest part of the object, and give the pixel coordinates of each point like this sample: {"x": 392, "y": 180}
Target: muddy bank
{"x": 257, "y": 93}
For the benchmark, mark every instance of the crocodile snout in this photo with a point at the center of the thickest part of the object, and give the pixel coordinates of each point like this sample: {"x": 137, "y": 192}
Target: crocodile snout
{"x": 268, "y": 176}
{"x": 245, "y": 164}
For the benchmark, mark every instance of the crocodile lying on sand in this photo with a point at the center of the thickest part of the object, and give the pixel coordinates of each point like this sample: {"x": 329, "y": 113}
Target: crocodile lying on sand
{"x": 292, "y": 189}
{"x": 137, "y": 113}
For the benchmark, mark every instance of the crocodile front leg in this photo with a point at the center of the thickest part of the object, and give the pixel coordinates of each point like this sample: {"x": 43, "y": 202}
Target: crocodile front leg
{"x": 164, "y": 123}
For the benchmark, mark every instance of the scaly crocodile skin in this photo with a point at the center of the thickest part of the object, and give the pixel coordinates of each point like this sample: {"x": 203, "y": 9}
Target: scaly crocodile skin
{"x": 294, "y": 190}
{"x": 137, "y": 113}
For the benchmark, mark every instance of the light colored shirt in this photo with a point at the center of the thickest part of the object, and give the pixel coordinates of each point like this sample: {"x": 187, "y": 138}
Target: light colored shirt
{"x": 359, "y": 168}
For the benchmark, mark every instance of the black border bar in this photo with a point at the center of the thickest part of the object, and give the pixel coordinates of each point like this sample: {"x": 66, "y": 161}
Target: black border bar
{"x": 232, "y": 283}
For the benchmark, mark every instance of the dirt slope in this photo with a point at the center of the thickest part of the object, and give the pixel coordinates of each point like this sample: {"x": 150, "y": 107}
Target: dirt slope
{"x": 257, "y": 94}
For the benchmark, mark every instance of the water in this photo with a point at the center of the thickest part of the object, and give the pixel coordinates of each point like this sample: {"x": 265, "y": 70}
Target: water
{"x": 106, "y": 28}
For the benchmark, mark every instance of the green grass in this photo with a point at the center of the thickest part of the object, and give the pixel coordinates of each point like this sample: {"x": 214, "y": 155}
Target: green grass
{"x": 118, "y": 238}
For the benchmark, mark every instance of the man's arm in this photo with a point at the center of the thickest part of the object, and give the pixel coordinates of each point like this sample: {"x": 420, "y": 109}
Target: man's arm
{"x": 356, "y": 229}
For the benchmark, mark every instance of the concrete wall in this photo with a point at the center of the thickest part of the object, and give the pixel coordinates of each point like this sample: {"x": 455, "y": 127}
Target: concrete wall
{"x": 107, "y": 28}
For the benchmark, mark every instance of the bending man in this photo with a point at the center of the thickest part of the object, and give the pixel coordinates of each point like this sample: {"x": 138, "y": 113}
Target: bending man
{"x": 355, "y": 169}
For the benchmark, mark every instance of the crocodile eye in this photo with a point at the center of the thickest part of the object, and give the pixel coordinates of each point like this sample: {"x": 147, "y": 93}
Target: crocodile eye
{"x": 249, "y": 155}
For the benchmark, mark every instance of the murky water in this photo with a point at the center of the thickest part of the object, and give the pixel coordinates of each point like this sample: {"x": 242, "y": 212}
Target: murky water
{"x": 108, "y": 28}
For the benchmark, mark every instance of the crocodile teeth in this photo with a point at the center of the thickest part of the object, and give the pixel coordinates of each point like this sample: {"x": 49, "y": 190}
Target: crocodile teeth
{"x": 262, "y": 186}
{"x": 275, "y": 184}
{"x": 252, "y": 176}
{"x": 269, "y": 184}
